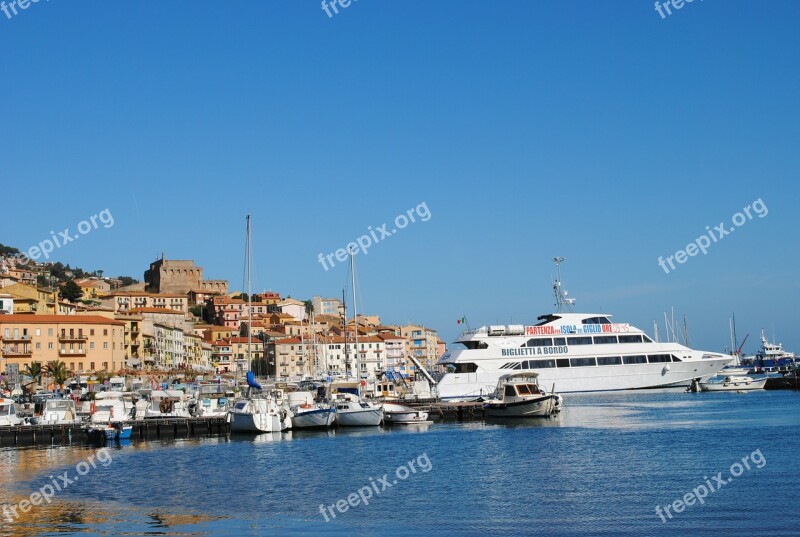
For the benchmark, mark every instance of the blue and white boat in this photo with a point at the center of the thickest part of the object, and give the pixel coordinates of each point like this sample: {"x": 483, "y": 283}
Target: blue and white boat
{"x": 578, "y": 352}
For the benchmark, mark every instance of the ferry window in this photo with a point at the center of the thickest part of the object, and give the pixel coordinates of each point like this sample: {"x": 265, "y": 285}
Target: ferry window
{"x": 675, "y": 358}
{"x": 466, "y": 368}
{"x": 560, "y": 341}
{"x": 579, "y": 341}
{"x": 540, "y": 342}
{"x": 637, "y": 359}
{"x": 542, "y": 364}
{"x": 659, "y": 358}
{"x": 523, "y": 389}
{"x": 596, "y": 320}
{"x": 562, "y": 362}
{"x": 510, "y": 391}
{"x": 518, "y": 365}
{"x": 609, "y": 360}
{"x": 582, "y": 362}
{"x": 604, "y": 340}
{"x": 630, "y": 339}
{"x": 647, "y": 339}
{"x": 506, "y": 365}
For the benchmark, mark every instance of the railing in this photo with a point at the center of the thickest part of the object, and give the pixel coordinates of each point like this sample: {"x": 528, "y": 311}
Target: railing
{"x": 72, "y": 352}
{"x": 16, "y": 339}
{"x": 79, "y": 337}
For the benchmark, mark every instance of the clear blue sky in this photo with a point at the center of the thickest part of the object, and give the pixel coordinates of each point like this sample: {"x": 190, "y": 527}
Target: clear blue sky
{"x": 593, "y": 130}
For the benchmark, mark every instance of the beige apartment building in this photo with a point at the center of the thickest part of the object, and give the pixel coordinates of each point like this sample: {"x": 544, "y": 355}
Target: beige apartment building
{"x": 123, "y": 302}
{"x": 83, "y": 342}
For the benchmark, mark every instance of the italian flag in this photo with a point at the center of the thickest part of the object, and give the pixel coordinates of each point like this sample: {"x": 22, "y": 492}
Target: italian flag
{"x": 461, "y": 320}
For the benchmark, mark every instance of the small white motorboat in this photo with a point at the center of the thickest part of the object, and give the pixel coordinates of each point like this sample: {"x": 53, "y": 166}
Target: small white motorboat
{"x": 8, "y": 413}
{"x": 59, "y": 412}
{"x": 519, "y": 395}
{"x": 733, "y": 384}
{"x": 404, "y": 415}
{"x": 352, "y": 411}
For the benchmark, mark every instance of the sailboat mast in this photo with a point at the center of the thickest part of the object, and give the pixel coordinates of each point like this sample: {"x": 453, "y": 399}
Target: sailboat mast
{"x": 344, "y": 327}
{"x": 249, "y": 300}
{"x": 355, "y": 311}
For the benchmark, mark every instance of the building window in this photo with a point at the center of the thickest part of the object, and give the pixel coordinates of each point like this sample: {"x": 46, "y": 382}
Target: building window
{"x": 91, "y": 345}
{"x": 38, "y": 332}
{"x": 50, "y": 346}
{"x": 38, "y": 346}
{"x": 91, "y": 366}
{"x": 50, "y": 332}
{"x": 105, "y": 345}
{"x": 91, "y": 331}
{"x": 105, "y": 331}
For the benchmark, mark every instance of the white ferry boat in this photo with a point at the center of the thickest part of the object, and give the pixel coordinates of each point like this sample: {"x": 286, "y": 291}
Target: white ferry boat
{"x": 575, "y": 352}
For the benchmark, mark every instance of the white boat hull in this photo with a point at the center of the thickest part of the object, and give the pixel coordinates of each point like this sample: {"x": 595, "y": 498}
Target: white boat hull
{"x": 464, "y": 386}
{"x": 733, "y": 385}
{"x": 371, "y": 417}
{"x": 403, "y": 415}
{"x": 320, "y": 418}
{"x": 247, "y": 422}
{"x": 539, "y": 407}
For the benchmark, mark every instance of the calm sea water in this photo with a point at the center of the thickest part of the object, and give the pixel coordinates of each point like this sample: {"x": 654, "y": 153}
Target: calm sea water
{"x": 600, "y": 468}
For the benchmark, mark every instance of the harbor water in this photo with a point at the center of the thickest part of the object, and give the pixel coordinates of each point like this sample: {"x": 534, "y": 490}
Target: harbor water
{"x": 715, "y": 464}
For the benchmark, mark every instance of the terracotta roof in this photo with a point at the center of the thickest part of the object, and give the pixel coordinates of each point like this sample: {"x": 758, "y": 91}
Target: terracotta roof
{"x": 386, "y": 337}
{"x": 154, "y": 310}
{"x": 60, "y": 319}
{"x": 244, "y": 340}
{"x": 288, "y": 341}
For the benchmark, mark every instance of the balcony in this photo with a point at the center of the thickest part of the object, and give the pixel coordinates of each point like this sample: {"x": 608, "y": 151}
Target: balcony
{"x": 67, "y": 339}
{"x": 72, "y": 352}
{"x": 17, "y": 353}
{"x": 25, "y": 338}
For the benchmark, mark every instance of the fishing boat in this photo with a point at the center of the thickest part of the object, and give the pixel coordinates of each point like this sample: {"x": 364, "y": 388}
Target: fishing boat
{"x": 59, "y": 412}
{"x": 578, "y": 352}
{"x": 166, "y": 404}
{"x": 8, "y": 413}
{"x": 518, "y": 395}
{"x": 212, "y": 401}
{"x": 734, "y": 384}
{"x": 309, "y": 414}
{"x": 403, "y": 415}
{"x": 110, "y": 406}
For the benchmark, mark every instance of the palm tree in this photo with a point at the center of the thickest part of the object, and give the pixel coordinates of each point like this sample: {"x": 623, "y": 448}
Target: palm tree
{"x": 309, "y": 307}
{"x": 34, "y": 371}
{"x": 58, "y": 370}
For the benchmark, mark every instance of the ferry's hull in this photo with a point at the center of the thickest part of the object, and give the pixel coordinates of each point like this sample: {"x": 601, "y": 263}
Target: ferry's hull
{"x": 461, "y": 386}
{"x": 321, "y": 418}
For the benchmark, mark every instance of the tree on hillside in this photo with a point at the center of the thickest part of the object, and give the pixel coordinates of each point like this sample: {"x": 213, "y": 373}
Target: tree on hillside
{"x": 71, "y": 291}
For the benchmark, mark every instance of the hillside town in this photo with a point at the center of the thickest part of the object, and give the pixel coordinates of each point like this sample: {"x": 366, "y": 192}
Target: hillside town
{"x": 175, "y": 320}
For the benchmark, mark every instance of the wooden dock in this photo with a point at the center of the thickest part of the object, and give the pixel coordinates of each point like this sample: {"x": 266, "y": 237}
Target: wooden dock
{"x": 151, "y": 429}
{"x": 464, "y": 411}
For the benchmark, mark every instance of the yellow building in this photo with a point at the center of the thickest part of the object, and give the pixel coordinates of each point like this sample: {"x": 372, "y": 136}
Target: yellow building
{"x": 83, "y": 342}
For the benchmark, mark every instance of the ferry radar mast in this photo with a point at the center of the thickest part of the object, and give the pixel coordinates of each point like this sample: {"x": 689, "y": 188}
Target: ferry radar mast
{"x": 562, "y": 302}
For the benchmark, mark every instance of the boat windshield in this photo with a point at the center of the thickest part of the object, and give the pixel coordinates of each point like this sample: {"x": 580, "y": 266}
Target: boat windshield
{"x": 59, "y": 405}
{"x": 523, "y": 389}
